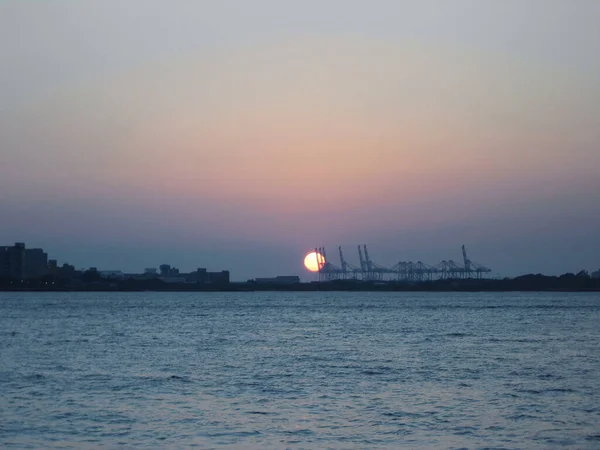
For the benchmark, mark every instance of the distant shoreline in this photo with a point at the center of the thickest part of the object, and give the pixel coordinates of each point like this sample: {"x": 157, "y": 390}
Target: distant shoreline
{"x": 301, "y": 290}
{"x": 526, "y": 283}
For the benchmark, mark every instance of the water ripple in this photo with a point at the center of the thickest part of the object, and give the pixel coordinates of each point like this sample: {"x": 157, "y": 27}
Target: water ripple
{"x": 298, "y": 370}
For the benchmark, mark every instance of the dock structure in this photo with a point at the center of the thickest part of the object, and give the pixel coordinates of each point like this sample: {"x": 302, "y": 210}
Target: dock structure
{"x": 402, "y": 271}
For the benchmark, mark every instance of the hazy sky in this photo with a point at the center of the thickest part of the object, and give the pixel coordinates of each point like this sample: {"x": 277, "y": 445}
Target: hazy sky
{"x": 240, "y": 134}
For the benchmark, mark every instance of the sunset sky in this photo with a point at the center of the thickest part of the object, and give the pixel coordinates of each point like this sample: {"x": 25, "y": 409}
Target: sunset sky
{"x": 240, "y": 134}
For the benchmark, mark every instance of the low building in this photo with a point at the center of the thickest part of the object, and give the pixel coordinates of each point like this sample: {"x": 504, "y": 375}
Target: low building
{"x": 112, "y": 274}
{"x": 279, "y": 280}
{"x": 202, "y": 276}
{"x": 67, "y": 271}
{"x": 173, "y": 279}
{"x": 167, "y": 271}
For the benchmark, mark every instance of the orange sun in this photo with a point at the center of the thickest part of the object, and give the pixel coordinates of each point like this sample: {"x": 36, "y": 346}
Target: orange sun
{"x": 314, "y": 261}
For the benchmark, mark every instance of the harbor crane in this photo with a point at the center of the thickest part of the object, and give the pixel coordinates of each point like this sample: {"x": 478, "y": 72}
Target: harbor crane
{"x": 403, "y": 271}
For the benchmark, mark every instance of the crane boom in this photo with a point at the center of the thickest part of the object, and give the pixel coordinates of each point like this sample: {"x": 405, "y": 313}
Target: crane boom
{"x": 367, "y": 260}
{"x": 319, "y": 258}
{"x": 362, "y": 261}
{"x": 466, "y": 260}
{"x": 342, "y": 261}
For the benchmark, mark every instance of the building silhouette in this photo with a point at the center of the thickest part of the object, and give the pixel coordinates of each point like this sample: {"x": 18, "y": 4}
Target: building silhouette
{"x": 279, "y": 280}
{"x": 21, "y": 263}
{"x": 18, "y": 263}
{"x": 202, "y": 276}
{"x": 35, "y": 263}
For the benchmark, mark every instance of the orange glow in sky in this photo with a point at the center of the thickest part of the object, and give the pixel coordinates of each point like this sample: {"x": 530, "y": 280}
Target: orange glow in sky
{"x": 413, "y": 127}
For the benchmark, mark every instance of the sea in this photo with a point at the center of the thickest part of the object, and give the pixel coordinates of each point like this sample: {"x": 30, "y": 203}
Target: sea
{"x": 263, "y": 370}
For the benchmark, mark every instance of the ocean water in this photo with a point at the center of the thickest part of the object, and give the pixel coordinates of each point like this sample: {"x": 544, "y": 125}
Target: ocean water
{"x": 300, "y": 370}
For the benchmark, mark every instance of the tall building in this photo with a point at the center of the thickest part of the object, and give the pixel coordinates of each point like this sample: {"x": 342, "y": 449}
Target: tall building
{"x": 12, "y": 261}
{"x": 20, "y": 263}
{"x": 35, "y": 263}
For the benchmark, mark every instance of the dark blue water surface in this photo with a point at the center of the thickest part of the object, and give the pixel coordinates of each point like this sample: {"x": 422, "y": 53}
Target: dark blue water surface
{"x": 299, "y": 370}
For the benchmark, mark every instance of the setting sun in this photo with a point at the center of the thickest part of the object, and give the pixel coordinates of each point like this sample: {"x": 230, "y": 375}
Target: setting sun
{"x": 314, "y": 261}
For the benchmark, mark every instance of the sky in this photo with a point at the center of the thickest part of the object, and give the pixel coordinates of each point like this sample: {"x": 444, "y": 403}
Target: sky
{"x": 240, "y": 135}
